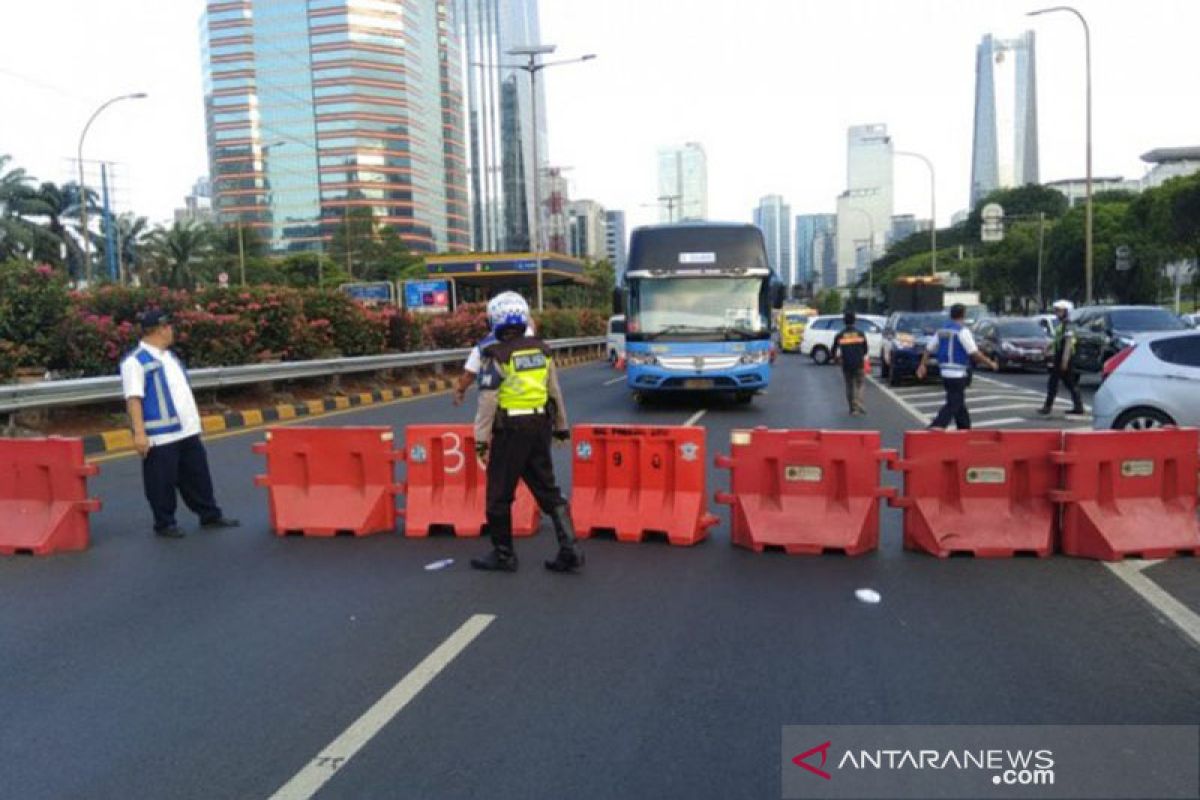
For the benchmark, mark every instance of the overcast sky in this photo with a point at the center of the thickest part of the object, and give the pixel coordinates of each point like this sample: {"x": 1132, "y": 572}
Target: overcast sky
{"x": 768, "y": 87}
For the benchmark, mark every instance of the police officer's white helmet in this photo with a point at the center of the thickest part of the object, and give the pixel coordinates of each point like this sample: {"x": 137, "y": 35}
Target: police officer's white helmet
{"x": 1065, "y": 305}
{"x": 507, "y": 309}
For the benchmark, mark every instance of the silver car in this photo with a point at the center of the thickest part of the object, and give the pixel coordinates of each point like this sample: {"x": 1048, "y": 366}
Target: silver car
{"x": 1156, "y": 382}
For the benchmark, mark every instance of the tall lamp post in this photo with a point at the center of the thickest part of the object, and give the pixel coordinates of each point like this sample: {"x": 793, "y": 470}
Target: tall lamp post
{"x": 932, "y": 208}
{"x": 533, "y": 67}
{"x": 83, "y": 216}
{"x": 1087, "y": 55}
{"x": 870, "y": 256}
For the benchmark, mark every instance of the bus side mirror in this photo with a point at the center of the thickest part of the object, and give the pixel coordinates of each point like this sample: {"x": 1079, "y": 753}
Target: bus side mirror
{"x": 778, "y": 295}
{"x": 618, "y": 301}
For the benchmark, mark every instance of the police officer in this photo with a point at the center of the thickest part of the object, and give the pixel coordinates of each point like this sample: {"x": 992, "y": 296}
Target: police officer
{"x": 850, "y": 347}
{"x": 955, "y": 348}
{"x": 1062, "y": 366}
{"x": 166, "y": 430}
{"x": 530, "y": 412}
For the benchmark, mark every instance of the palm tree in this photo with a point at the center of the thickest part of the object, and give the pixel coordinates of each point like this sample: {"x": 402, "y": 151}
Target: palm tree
{"x": 178, "y": 251}
{"x": 18, "y": 235}
{"x": 61, "y": 243}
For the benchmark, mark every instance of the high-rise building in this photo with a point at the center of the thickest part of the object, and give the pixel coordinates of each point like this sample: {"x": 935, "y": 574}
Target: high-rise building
{"x": 316, "y": 108}
{"x": 588, "y": 234}
{"x": 616, "y": 241}
{"x": 864, "y": 210}
{"x": 774, "y": 217}
{"x": 683, "y": 183}
{"x": 197, "y": 206}
{"x": 810, "y": 228}
{"x": 825, "y": 259}
{"x": 556, "y": 205}
{"x": 500, "y": 122}
{"x": 1005, "y": 152}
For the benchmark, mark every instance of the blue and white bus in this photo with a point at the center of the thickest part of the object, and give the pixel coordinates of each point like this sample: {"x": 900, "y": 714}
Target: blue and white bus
{"x": 698, "y": 300}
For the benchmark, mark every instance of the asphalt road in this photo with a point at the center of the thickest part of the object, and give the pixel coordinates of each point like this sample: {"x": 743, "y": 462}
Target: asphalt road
{"x": 221, "y": 665}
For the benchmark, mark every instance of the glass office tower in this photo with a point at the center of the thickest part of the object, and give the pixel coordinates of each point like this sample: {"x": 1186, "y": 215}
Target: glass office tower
{"x": 1005, "y": 149}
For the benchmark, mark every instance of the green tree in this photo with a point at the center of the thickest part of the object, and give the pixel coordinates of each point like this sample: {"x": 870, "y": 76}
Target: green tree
{"x": 19, "y": 234}
{"x": 828, "y": 301}
{"x": 179, "y": 252}
{"x": 309, "y": 269}
{"x": 1020, "y": 202}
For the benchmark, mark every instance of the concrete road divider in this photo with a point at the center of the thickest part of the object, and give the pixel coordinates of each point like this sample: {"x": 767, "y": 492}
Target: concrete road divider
{"x": 447, "y": 484}
{"x": 326, "y": 481}
{"x": 44, "y": 503}
{"x": 805, "y": 491}
{"x": 982, "y": 492}
{"x": 1129, "y": 493}
{"x": 640, "y": 479}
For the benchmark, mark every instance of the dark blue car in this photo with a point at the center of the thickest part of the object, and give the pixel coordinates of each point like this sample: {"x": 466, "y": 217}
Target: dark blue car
{"x": 905, "y": 336}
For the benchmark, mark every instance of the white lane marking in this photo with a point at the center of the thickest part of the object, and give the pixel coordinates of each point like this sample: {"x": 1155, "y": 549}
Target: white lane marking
{"x": 1025, "y": 402}
{"x": 1162, "y": 602}
{"x": 993, "y": 423}
{"x": 614, "y": 380}
{"x": 694, "y": 418}
{"x": 923, "y": 394}
{"x": 308, "y": 781}
{"x": 985, "y": 409}
{"x": 1143, "y": 564}
{"x": 917, "y": 415}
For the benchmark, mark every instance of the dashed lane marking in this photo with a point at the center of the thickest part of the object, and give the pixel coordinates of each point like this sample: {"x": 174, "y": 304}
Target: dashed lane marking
{"x": 694, "y": 418}
{"x": 1180, "y": 615}
{"x": 995, "y": 423}
{"x": 614, "y": 380}
{"x": 308, "y": 781}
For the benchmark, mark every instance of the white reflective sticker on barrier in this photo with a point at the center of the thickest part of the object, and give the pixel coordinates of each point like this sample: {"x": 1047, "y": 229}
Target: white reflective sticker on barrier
{"x": 803, "y": 474}
{"x": 739, "y": 437}
{"x": 418, "y": 455}
{"x": 689, "y": 451}
{"x": 986, "y": 475}
{"x": 1141, "y": 468}
{"x": 584, "y": 450}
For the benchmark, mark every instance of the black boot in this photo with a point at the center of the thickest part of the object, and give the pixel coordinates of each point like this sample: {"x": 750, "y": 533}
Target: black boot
{"x": 570, "y": 556}
{"x": 502, "y": 557}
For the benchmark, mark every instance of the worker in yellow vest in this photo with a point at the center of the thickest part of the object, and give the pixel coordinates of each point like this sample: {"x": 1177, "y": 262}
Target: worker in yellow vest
{"x": 529, "y": 414}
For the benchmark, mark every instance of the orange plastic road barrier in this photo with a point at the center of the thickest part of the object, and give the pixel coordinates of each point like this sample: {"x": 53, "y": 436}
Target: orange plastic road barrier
{"x": 1129, "y": 493}
{"x": 640, "y": 479}
{"x": 447, "y": 484}
{"x": 805, "y": 491}
{"x": 44, "y": 504}
{"x": 326, "y": 481}
{"x": 977, "y": 491}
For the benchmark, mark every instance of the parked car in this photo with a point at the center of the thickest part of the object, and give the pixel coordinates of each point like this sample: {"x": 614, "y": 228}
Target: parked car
{"x": 1018, "y": 342}
{"x": 1104, "y": 331}
{"x": 905, "y": 335}
{"x": 818, "y": 336}
{"x": 615, "y": 344}
{"x": 1152, "y": 383}
{"x": 1046, "y": 322}
{"x": 792, "y": 323}
{"x": 1191, "y": 320}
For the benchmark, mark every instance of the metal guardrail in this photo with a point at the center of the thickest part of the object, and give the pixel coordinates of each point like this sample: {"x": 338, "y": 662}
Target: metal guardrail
{"x": 81, "y": 391}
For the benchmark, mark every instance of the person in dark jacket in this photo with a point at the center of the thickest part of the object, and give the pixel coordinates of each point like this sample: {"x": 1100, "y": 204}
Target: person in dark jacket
{"x": 1062, "y": 366}
{"x": 850, "y": 348}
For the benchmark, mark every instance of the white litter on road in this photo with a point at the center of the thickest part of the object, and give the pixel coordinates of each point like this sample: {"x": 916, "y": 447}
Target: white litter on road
{"x": 868, "y": 595}
{"x": 436, "y": 565}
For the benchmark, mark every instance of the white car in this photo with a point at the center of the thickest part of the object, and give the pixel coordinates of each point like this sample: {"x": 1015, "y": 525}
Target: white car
{"x": 1155, "y": 382}
{"x": 614, "y": 347}
{"x": 818, "y": 336}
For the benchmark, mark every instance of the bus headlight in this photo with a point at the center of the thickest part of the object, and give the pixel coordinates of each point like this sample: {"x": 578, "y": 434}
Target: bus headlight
{"x": 756, "y": 357}
{"x": 641, "y": 359}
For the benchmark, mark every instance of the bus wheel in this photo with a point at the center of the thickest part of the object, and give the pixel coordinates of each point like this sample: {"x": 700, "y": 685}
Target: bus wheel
{"x": 744, "y": 397}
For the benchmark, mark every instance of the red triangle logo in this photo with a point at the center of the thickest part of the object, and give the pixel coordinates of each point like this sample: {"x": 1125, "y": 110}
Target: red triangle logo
{"x": 802, "y": 760}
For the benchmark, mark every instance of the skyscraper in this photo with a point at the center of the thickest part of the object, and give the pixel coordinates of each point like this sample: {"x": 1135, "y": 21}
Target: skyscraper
{"x": 1005, "y": 151}
{"x": 864, "y": 210}
{"x": 315, "y": 108}
{"x": 499, "y": 114}
{"x": 774, "y": 217}
{"x": 587, "y": 223}
{"x": 683, "y": 183}
{"x": 810, "y": 228}
{"x": 615, "y": 240}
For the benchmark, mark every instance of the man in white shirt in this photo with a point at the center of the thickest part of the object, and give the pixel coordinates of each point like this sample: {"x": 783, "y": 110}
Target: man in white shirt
{"x": 955, "y": 348}
{"x": 473, "y": 365}
{"x": 166, "y": 430}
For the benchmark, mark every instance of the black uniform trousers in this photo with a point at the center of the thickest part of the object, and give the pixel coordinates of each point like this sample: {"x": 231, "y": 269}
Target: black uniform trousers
{"x": 520, "y": 451}
{"x": 1070, "y": 379}
{"x": 955, "y": 407}
{"x": 179, "y": 467}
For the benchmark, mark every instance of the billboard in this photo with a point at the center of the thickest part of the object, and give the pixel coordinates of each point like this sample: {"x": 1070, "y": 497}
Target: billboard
{"x": 428, "y": 297}
{"x": 378, "y": 293}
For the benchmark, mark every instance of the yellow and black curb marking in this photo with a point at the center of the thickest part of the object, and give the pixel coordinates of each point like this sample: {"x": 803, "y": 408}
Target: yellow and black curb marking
{"x": 120, "y": 440}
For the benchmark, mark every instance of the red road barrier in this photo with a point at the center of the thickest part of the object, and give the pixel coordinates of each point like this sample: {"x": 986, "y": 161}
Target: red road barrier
{"x": 44, "y": 504}
{"x": 447, "y": 484}
{"x": 978, "y": 491}
{"x": 326, "y": 481}
{"x": 1129, "y": 493}
{"x": 639, "y": 479}
{"x": 805, "y": 491}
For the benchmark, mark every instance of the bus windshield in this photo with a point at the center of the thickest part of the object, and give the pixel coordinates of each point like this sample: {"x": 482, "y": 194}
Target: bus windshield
{"x": 699, "y": 307}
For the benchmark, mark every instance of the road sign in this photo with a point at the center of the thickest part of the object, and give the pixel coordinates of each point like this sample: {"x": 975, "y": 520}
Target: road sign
{"x": 1124, "y": 255}
{"x": 370, "y": 293}
{"x": 992, "y": 212}
{"x": 992, "y": 229}
{"x": 428, "y": 297}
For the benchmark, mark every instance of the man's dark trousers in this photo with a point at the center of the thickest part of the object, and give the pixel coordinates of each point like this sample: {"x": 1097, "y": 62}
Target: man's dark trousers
{"x": 180, "y": 466}
{"x": 955, "y": 407}
{"x": 1070, "y": 379}
{"x": 520, "y": 451}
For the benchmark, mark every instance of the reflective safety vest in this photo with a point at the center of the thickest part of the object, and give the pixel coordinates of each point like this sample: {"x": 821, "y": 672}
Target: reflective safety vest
{"x": 950, "y": 350}
{"x": 525, "y": 379}
{"x": 158, "y": 407}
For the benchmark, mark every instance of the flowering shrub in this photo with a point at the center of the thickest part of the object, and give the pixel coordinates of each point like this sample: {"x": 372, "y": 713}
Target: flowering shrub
{"x": 11, "y": 355}
{"x": 88, "y": 344}
{"x": 278, "y": 316}
{"x": 357, "y": 331}
{"x": 33, "y": 303}
{"x": 462, "y": 328}
{"x": 125, "y": 303}
{"x": 215, "y": 340}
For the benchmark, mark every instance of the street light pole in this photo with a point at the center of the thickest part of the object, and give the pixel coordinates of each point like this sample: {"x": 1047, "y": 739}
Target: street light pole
{"x": 1087, "y": 54}
{"x": 83, "y": 217}
{"x": 932, "y": 208}
{"x": 532, "y": 67}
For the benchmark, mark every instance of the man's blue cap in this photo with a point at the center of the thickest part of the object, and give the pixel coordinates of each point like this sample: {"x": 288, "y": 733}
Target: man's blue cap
{"x": 153, "y": 318}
